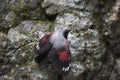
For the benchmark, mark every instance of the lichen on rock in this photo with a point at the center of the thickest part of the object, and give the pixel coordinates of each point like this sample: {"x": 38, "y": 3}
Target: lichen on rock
{"x": 94, "y": 38}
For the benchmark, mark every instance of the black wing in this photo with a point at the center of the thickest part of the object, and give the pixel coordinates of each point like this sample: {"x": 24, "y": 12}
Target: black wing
{"x": 60, "y": 60}
{"x": 42, "y": 48}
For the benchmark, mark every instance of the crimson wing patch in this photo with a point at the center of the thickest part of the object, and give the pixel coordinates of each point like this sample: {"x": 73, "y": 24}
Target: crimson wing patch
{"x": 43, "y": 45}
{"x": 60, "y": 60}
{"x": 42, "y": 48}
{"x": 64, "y": 56}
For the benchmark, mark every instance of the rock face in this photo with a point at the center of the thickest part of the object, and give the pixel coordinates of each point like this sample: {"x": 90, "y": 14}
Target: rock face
{"x": 58, "y": 6}
{"x": 94, "y": 38}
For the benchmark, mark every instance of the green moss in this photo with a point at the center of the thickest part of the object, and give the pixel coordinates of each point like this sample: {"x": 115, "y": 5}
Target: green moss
{"x": 25, "y": 76}
{"x": 21, "y": 4}
{"x": 51, "y": 27}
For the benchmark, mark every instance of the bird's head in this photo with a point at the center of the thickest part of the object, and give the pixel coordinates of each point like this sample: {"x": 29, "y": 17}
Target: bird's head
{"x": 65, "y": 32}
{"x": 62, "y": 30}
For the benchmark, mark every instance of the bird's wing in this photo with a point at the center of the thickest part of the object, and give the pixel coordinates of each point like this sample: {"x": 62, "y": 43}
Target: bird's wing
{"x": 61, "y": 60}
{"x": 42, "y": 47}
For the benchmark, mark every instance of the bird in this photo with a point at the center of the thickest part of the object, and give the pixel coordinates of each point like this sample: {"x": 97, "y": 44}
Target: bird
{"x": 55, "y": 46}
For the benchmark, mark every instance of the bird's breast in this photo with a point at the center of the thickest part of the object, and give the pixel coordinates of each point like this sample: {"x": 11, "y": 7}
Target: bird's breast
{"x": 59, "y": 44}
{"x": 58, "y": 41}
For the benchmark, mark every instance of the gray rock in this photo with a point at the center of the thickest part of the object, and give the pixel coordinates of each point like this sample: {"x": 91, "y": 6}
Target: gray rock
{"x": 17, "y": 5}
{"x": 118, "y": 65}
{"x": 116, "y": 71}
{"x": 25, "y": 26}
{"x": 20, "y": 52}
{"x": 10, "y": 16}
{"x": 114, "y": 30}
{"x": 77, "y": 68}
{"x": 95, "y": 54}
{"x": 7, "y": 20}
{"x": 15, "y": 36}
{"x": 55, "y": 6}
{"x": 3, "y": 40}
{"x": 75, "y": 20}
{"x": 39, "y": 29}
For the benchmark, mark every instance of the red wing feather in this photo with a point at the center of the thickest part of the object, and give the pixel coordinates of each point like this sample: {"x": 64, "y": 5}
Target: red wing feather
{"x": 42, "y": 48}
{"x": 43, "y": 45}
{"x": 64, "y": 56}
{"x": 60, "y": 60}
{"x": 44, "y": 40}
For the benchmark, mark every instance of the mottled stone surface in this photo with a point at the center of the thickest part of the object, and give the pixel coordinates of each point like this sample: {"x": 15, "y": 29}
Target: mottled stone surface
{"x": 58, "y": 6}
{"x": 94, "y": 38}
